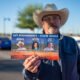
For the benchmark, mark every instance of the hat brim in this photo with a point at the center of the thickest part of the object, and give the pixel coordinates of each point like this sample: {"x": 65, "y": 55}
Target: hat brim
{"x": 18, "y": 44}
{"x": 63, "y": 13}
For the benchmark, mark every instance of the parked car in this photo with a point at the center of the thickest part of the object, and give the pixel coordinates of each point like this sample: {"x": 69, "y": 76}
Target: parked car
{"x": 78, "y": 41}
{"x": 5, "y": 43}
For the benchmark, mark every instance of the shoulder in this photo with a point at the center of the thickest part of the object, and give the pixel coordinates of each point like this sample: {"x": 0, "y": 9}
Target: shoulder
{"x": 69, "y": 39}
{"x": 69, "y": 44}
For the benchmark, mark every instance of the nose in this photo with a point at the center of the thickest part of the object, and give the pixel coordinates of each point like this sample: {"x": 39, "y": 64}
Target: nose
{"x": 51, "y": 20}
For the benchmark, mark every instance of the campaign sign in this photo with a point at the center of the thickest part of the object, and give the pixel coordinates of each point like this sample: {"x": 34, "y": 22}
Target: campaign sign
{"x": 34, "y": 44}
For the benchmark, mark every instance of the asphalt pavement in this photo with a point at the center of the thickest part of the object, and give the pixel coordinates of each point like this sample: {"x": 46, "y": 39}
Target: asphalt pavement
{"x": 10, "y": 69}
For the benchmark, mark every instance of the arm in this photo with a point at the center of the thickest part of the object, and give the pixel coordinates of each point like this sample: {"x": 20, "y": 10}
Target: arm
{"x": 43, "y": 68}
{"x": 31, "y": 66}
{"x": 69, "y": 59}
{"x": 78, "y": 62}
{"x": 29, "y": 76}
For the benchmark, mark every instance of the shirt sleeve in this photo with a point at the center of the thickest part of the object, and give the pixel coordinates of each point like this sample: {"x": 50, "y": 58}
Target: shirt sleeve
{"x": 78, "y": 63}
{"x": 29, "y": 76}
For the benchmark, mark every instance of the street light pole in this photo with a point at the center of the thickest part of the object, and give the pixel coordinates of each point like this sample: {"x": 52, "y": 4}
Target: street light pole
{"x": 4, "y": 25}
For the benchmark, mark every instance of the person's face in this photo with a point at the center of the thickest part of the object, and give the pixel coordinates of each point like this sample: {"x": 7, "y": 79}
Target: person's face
{"x": 50, "y": 45}
{"x": 51, "y": 22}
{"x": 35, "y": 45}
{"x": 21, "y": 45}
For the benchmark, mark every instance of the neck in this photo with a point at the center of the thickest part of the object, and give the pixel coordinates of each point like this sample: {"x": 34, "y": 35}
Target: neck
{"x": 54, "y": 31}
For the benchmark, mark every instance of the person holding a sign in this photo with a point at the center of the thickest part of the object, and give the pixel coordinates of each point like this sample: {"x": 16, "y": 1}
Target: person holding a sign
{"x": 51, "y": 20}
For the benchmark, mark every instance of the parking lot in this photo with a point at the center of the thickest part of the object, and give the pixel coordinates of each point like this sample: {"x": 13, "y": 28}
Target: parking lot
{"x": 10, "y": 69}
{"x": 4, "y": 55}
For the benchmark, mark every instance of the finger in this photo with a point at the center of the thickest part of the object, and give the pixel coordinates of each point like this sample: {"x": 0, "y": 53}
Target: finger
{"x": 39, "y": 61}
{"x": 28, "y": 59}
{"x": 30, "y": 67}
{"x": 35, "y": 69}
{"x": 35, "y": 64}
{"x": 31, "y": 62}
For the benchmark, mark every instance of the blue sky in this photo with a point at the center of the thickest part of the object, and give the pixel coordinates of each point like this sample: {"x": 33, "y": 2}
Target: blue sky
{"x": 10, "y": 8}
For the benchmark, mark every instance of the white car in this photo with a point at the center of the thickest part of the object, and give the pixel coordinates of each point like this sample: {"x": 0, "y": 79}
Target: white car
{"x": 77, "y": 40}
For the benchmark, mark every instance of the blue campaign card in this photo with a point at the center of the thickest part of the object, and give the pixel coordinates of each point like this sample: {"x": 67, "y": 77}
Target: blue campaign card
{"x": 35, "y": 42}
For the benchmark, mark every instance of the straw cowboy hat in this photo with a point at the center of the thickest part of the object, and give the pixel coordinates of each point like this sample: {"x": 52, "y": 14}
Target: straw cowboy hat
{"x": 50, "y": 9}
{"x": 20, "y": 43}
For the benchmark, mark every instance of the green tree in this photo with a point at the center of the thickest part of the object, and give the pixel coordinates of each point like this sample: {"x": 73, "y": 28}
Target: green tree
{"x": 25, "y": 20}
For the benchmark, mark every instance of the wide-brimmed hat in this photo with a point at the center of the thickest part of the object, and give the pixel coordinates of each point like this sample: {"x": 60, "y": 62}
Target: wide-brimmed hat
{"x": 20, "y": 43}
{"x": 50, "y": 9}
